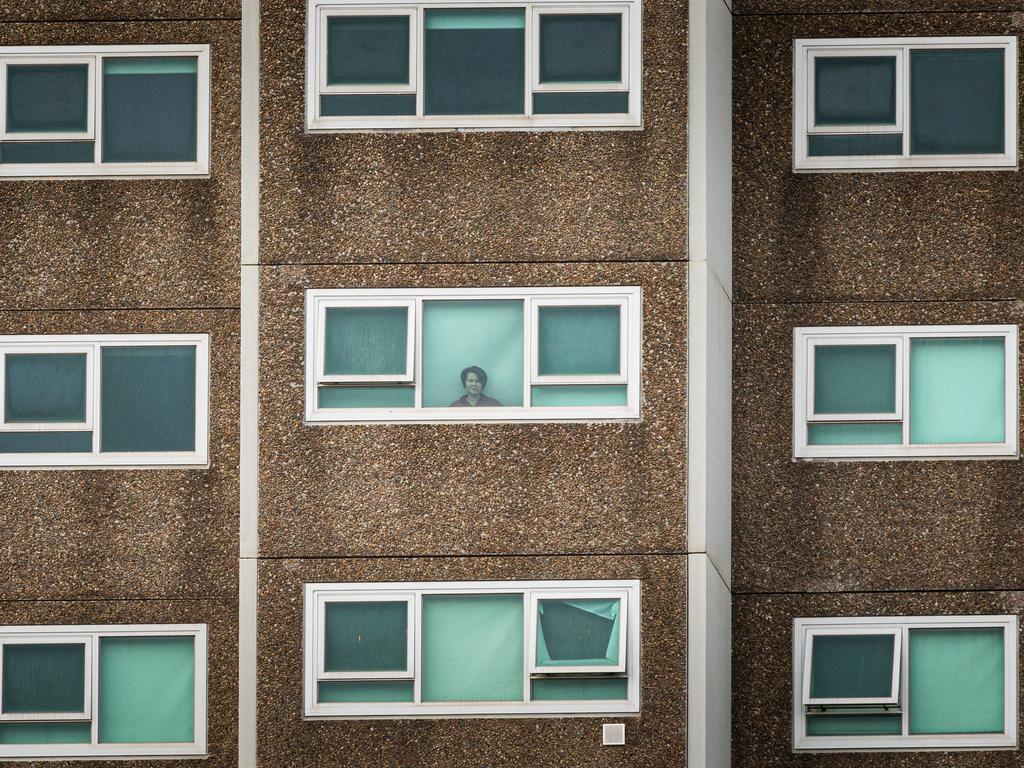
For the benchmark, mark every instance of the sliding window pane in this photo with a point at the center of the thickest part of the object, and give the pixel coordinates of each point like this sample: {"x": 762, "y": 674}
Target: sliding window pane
{"x": 366, "y": 637}
{"x": 47, "y": 98}
{"x": 367, "y": 341}
{"x": 581, "y": 48}
{"x": 43, "y": 388}
{"x": 579, "y": 341}
{"x": 855, "y": 378}
{"x": 367, "y": 50}
{"x": 852, "y": 666}
{"x": 855, "y": 90}
{"x": 474, "y": 61}
{"x": 44, "y": 677}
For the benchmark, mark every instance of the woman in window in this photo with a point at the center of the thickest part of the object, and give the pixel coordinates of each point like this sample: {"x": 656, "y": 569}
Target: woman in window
{"x": 474, "y": 379}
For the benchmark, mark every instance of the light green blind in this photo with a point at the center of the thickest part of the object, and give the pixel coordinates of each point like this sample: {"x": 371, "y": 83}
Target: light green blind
{"x": 852, "y": 433}
{"x": 43, "y": 677}
{"x": 45, "y": 733}
{"x": 576, "y": 341}
{"x": 362, "y": 637}
{"x": 44, "y": 388}
{"x": 580, "y": 689}
{"x": 956, "y": 680}
{"x": 855, "y": 378}
{"x": 472, "y": 648}
{"x": 578, "y": 395}
{"x": 458, "y": 334}
{"x": 333, "y": 691}
{"x": 957, "y": 390}
{"x": 147, "y": 690}
{"x": 366, "y": 341}
{"x": 578, "y": 633}
{"x": 348, "y": 396}
{"x": 852, "y": 666}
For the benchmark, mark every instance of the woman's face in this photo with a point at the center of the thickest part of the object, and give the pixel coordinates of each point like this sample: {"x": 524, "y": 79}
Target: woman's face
{"x": 473, "y": 384}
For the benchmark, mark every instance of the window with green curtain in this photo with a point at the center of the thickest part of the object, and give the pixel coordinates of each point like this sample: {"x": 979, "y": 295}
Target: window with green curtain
{"x": 146, "y": 689}
{"x": 43, "y": 677}
{"x": 855, "y": 90}
{"x": 349, "y": 396}
{"x": 44, "y": 388}
{"x": 853, "y": 433}
{"x": 45, "y": 733}
{"x": 957, "y": 101}
{"x": 578, "y": 340}
{"x": 366, "y": 341}
{"x": 578, "y": 395}
{"x": 362, "y": 637}
{"x": 47, "y": 98}
{"x": 854, "y": 378}
{"x": 472, "y": 648}
{"x": 482, "y": 333}
{"x": 150, "y": 109}
{"x": 367, "y": 50}
{"x": 957, "y": 390}
{"x": 956, "y": 680}
{"x": 852, "y": 666}
{"x": 365, "y": 691}
{"x": 580, "y": 47}
{"x": 148, "y": 398}
{"x": 578, "y": 633}
{"x": 855, "y": 725}
{"x": 474, "y": 61}
{"x": 45, "y": 442}
{"x": 579, "y": 689}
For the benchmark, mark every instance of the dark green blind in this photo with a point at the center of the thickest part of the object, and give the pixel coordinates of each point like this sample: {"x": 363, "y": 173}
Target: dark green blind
{"x": 957, "y": 102}
{"x": 47, "y": 98}
{"x": 852, "y": 666}
{"x": 579, "y": 340}
{"x": 367, "y": 50}
{"x": 44, "y": 677}
{"x": 366, "y": 340}
{"x": 582, "y": 632}
{"x": 855, "y": 90}
{"x": 44, "y": 388}
{"x": 46, "y": 152}
{"x": 855, "y": 378}
{"x": 581, "y": 48}
{"x": 843, "y": 145}
{"x": 148, "y": 398}
{"x": 366, "y": 637}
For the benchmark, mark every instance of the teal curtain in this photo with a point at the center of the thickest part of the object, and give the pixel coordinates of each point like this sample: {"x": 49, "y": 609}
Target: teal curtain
{"x": 148, "y": 398}
{"x": 841, "y": 144}
{"x": 472, "y": 648}
{"x": 45, "y": 442}
{"x": 365, "y": 691}
{"x": 957, "y": 390}
{"x": 458, "y": 334}
{"x": 576, "y": 341}
{"x": 852, "y": 433}
{"x": 580, "y": 102}
{"x": 578, "y": 395}
{"x": 580, "y": 689}
{"x": 363, "y": 637}
{"x": 45, "y": 733}
{"x": 44, "y": 388}
{"x": 46, "y": 152}
{"x": 578, "y": 633}
{"x": 366, "y": 340}
{"x": 367, "y": 50}
{"x": 580, "y": 47}
{"x": 852, "y": 666}
{"x": 956, "y": 680}
{"x": 47, "y": 98}
{"x": 349, "y": 396}
{"x": 855, "y": 378}
{"x": 147, "y": 690}
{"x": 44, "y": 677}
{"x": 855, "y": 90}
{"x": 854, "y": 725}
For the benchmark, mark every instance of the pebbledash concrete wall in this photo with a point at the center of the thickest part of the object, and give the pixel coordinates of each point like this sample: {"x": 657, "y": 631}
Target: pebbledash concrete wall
{"x": 112, "y": 546}
{"x": 471, "y": 501}
{"x": 856, "y": 538}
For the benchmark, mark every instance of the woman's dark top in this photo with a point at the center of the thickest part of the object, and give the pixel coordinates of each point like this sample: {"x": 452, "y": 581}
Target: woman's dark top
{"x": 484, "y": 401}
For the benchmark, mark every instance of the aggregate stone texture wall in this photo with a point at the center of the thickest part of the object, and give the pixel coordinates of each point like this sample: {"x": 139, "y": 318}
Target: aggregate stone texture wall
{"x": 120, "y": 533}
{"x": 117, "y": 10}
{"x": 656, "y": 738}
{"x": 824, "y": 526}
{"x": 477, "y": 196}
{"x": 808, "y": 7}
{"x": 221, "y": 618}
{"x": 860, "y": 236}
{"x": 762, "y": 665}
{"x": 88, "y": 243}
{"x": 472, "y": 488}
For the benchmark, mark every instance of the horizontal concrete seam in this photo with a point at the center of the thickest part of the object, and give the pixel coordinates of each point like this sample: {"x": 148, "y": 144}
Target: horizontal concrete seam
{"x": 235, "y": 308}
{"x": 465, "y": 263}
{"x": 925, "y": 591}
{"x": 471, "y": 556}
{"x": 231, "y": 598}
{"x": 961, "y": 12}
{"x": 768, "y": 303}
{"x": 235, "y": 19}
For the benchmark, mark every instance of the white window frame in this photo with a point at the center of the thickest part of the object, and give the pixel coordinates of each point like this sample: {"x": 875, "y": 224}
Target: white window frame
{"x": 533, "y": 625}
{"x": 89, "y": 350}
{"x": 92, "y": 345}
{"x": 805, "y": 51}
{"x": 88, "y": 134}
{"x": 905, "y": 741}
{"x": 892, "y": 699}
{"x": 629, "y": 298}
{"x": 806, "y": 340}
{"x": 92, "y": 634}
{"x": 85, "y": 713}
{"x": 93, "y": 55}
{"x": 408, "y": 11}
{"x": 316, "y": 56}
{"x": 406, "y": 377}
{"x": 409, "y": 598}
{"x": 536, "y": 379}
{"x": 316, "y": 594}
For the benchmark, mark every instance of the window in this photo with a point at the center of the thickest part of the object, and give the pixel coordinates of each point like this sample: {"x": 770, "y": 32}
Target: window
{"x": 472, "y": 648}
{"x": 103, "y": 691}
{"x": 393, "y": 64}
{"x": 905, "y": 391}
{"x": 461, "y": 354}
{"x": 905, "y": 683}
{"x": 131, "y": 110}
{"x": 910, "y": 103}
{"x": 103, "y": 400}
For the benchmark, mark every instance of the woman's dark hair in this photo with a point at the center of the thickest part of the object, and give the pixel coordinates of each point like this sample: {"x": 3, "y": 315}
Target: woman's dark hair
{"x": 480, "y": 374}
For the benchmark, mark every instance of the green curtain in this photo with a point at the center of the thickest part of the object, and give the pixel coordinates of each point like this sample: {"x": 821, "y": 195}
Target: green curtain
{"x": 578, "y": 633}
{"x": 854, "y": 725}
{"x": 855, "y": 90}
{"x": 147, "y": 690}
{"x": 578, "y": 395}
{"x": 366, "y": 637}
{"x": 458, "y": 334}
{"x": 44, "y": 388}
{"x": 576, "y": 341}
{"x": 851, "y": 666}
{"x": 957, "y": 390}
{"x": 45, "y": 733}
{"x": 472, "y": 648}
{"x": 47, "y": 98}
{"x": 855, "y": 378}
{"x": 580, "y": 689}
{"x": 367, "y": 50}
{"x": 44, "y": 677}
{"x": 348, "y": 396}
{"x": 956, "y": 680}
{"x": 852, "y": 433}
{"x": 45, "y": 442}
{"x": 366, "y": 340}
{"x": 580, "y": 47}
{"x": 368, "y": 691}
